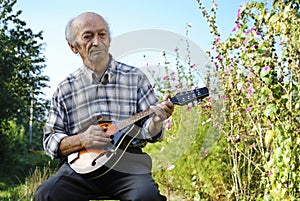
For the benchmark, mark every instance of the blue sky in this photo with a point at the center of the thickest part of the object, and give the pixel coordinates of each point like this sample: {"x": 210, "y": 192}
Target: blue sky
{"x": 123, "y": 16}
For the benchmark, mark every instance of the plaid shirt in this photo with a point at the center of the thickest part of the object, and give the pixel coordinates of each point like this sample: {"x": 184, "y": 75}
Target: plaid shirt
{"x": 82, "y": 97}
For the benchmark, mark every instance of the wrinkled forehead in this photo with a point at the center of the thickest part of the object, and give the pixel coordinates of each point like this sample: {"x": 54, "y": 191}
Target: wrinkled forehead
{"x": 90, "y": 21}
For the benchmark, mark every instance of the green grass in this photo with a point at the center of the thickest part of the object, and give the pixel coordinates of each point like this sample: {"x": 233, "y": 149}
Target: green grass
{"x": 18, "y": 180}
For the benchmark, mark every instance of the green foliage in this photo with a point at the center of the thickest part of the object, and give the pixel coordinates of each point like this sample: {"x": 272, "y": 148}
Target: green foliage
{"x": 21, "y": 85}
{"x": 19, "y": 181}
{"x": 21, "y": 81}
{"x": 13, "y": 138}
{"x": 36, "y": 178}
{"x": 258, "y": 66}
{"x": 21, "y": 65}
{"x": 189, "y": 163}
{"x": 194, "y": 173}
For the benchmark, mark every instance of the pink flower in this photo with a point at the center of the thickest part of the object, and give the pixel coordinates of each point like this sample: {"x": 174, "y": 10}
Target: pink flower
{"x": 270, "y": 173}
{"x": 227, "y": 71}
{"x": 248, "y": 109}
{"x": 250, "y": 90}
{"x": 245, "y": 42}
{"x": 281, "y": 43}
{"x": 168, "y": 123}
{"x": 224, "y": 97}
{"x": 236, "y": 27}
{"x": 269, "y": 123}
{"x": 166, "y": 77}
{"x": 250, "y": 30}
{"x": 176, "y": 49}
{"x": 267, "y": 68}
{"x": 253, "y": 145}
{"x": 239, "y": 13}
{"x": 218, "y": 39}
{"x": 215, "y": 5}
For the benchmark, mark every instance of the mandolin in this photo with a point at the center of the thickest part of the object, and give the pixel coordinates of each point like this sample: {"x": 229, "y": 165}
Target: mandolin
{"x": 95, "y": 162}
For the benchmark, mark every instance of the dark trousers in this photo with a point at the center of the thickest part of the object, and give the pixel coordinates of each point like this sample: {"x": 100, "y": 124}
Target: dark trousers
{"x": 125, "y": 186}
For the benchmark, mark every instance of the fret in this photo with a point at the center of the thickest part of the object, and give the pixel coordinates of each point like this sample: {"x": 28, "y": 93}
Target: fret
{"x": 133, "y": 119}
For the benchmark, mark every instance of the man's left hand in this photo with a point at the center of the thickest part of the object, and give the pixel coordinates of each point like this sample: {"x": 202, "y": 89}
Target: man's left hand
{"x": 163, "y": 110}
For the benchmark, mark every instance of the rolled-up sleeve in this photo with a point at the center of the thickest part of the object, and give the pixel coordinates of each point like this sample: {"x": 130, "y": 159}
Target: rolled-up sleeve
{"x": 146, "y": 99}
{"x": 152, "y": 139}
{"x": 54, "y": 130}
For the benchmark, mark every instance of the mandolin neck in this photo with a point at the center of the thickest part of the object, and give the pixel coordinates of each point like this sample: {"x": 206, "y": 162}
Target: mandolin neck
{"x": 181, "y": 98}
{"x": 123, "y": 124}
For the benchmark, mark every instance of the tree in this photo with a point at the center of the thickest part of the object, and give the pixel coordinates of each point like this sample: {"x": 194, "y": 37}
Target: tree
{"x": 21, "y": 68}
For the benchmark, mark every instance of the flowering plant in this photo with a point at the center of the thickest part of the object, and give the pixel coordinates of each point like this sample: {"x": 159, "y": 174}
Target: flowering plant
{"x": 258, "y": 68}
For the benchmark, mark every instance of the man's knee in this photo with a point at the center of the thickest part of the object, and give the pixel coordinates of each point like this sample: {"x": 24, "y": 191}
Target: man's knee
{"x": 148, "y": 197}
{"x": 41, "y": 194}
{"x": 147, "y": 193}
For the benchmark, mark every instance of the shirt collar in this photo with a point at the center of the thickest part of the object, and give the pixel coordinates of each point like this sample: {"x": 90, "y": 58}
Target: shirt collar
{"x": 93, "y": 78}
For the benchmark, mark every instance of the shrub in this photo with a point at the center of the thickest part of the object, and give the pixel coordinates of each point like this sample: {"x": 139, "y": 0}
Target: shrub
{"x": 258, "y": 68}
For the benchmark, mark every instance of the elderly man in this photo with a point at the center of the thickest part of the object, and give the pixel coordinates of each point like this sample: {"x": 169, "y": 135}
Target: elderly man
{"x": 108, "y": 89}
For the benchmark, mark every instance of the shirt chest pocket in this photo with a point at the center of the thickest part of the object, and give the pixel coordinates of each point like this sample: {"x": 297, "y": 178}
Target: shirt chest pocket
{"x": 121, "y": 111}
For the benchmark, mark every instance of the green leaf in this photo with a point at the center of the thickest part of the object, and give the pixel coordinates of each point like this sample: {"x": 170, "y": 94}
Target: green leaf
{"x": 270, "y": 110}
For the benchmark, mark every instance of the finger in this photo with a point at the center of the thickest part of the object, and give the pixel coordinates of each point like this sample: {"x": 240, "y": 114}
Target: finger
{"x": 167, "y": 97}
{"x": 99, "y": 128}
{"x": 167, "y": 107}
{"x": 98, "y": 144}
{"x": 101, "y": 134}
{"x": 159, "y": 109}
{"x": 161, "y": 114}
{"x": 96, "y": 141}
{"x": 102, "y": 139}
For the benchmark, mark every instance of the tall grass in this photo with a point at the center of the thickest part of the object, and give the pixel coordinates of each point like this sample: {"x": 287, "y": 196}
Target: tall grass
{"x": 25, "y": 191}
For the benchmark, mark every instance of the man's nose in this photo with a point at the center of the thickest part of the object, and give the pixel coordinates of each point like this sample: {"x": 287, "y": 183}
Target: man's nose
{"x": 97, "y": 40}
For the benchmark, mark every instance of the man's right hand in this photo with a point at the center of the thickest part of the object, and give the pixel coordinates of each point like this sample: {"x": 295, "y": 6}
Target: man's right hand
{"x": 94, "y": 136}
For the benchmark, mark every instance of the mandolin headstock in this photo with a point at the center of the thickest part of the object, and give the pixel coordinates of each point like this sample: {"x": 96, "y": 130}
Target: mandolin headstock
{"x": 183, "y": 98}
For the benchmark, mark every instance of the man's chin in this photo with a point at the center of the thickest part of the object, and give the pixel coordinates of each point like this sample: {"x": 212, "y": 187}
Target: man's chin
{"x": 98, "y": 58}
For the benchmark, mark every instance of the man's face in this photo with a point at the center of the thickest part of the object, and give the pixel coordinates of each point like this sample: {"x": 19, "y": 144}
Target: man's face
{"x": 91, "y": 38}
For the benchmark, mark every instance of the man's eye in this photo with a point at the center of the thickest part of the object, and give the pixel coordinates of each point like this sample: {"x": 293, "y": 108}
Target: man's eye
{"x": 87, "y": 36}
{"x": 102, "y": 34}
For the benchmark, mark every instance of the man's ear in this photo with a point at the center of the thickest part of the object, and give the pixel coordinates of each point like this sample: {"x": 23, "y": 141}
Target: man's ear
{"x": 73, "y": 48}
